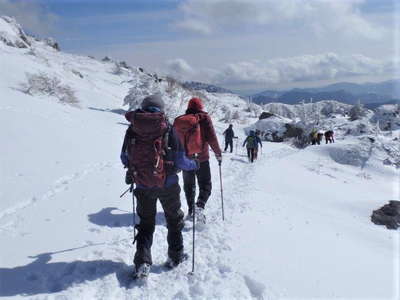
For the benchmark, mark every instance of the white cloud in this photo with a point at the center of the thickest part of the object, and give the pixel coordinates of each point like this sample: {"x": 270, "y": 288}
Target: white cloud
{"x": 305, "y": 68}
{"x": 30, "y": 15}
{"x": 179, "y": 68}
{"x": 318, "y": 16}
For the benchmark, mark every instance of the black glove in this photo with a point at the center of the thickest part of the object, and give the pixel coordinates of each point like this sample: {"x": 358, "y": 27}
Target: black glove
{"x": 219, "y": 159}
{"x": 128, "y": 177}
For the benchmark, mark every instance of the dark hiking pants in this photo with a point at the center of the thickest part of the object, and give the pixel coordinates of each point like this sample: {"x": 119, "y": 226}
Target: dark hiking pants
{"x": 250, "y": 154}
{"x": 203, "y": 175}
{"x": 230, "y": 144}
{"x": 147, "y": 210}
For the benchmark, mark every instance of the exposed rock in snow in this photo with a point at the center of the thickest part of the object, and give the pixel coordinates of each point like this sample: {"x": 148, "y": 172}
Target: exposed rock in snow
{"x": 12, "y": 34}
{"x": 388, "y": 215}
{"x": 265, "y": 115}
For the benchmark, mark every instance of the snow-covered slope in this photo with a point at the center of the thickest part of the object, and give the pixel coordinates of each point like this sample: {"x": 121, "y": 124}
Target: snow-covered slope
{"x": 297, "y": 222}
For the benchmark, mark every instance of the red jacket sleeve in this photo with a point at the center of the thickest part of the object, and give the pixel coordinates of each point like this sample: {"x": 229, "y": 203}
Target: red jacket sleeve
{"x": 209, "y": 134}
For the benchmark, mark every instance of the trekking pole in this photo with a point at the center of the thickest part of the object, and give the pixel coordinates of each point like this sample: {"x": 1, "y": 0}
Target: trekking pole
{"x": 222, "y": 193}
{"x": 123, "y": 194}
{"x": 194, "y": 234}
{"x": 130, "y": 189}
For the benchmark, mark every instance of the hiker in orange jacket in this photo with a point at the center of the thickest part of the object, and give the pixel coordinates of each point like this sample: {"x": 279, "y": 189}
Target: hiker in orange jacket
{"x": 203, "y": 174}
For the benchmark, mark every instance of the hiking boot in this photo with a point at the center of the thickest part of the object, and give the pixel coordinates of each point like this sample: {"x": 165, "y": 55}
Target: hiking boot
{"x": 172, "y": 263}
{"x": 142, "y": 271}
{"x": 200, "y": 216}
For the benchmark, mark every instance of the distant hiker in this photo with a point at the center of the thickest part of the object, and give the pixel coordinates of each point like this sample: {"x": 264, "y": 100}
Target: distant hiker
{"x": 251, "y": 143}
{"x": 313, "y": 136}
{"x": 229, "y": 136}
{"x": 197, "y": 133}
{"x": 329, "y": 136}
{"x": 153, "y": 155}
{"x": 258, "y": 141}
{"x": 320, "y": 135}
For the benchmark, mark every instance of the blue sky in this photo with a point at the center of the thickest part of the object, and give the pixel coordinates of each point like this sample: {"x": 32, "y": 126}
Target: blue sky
{"x": 97, "y": 22}
{"x": 239, "y": 44}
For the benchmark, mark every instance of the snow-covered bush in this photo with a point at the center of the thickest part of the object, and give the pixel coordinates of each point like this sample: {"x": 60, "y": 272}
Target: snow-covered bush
{"x": 304, "y": 111}
{"x": 354, "y": 154}
{"x": 272, "y": 129}
{"x": 116, "y": 69}
{"x": 235, "y": 115}
{"x": 301, "y": 141}
{"x": 357, "y": 112}
{"x": 227, "y": 114}
{"x": 43, "y": 84}
{"x": 124, "y": 65}
{"x": 387, "y": 116}
{"x": 360, "y": 127}
{"x": 52, "y": 43}
{"x": 77, "y": 73}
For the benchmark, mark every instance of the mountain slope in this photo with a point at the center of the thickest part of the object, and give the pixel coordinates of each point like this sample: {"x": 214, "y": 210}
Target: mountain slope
{"x": 345, "y": 92}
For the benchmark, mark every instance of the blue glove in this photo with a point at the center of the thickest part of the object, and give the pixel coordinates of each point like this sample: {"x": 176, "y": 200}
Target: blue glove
{"x": 124, "y": 159}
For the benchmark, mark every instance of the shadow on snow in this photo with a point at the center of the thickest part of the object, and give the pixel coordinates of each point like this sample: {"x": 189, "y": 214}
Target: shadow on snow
{"x": 240, "y": 160}
{"x": 44, "y": 277}
{"x": 106, "y": 217}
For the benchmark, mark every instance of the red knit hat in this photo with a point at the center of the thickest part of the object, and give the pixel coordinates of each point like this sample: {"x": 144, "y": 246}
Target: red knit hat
{"x": 196, "y": 104}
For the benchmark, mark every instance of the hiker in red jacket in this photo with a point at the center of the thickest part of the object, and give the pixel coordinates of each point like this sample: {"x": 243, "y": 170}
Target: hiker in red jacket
{"x": 203, "y": 174}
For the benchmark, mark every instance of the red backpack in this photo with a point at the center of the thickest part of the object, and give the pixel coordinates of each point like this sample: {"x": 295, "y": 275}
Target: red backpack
{"x": 189, "y": 132}
{"x": 147, "y": 144}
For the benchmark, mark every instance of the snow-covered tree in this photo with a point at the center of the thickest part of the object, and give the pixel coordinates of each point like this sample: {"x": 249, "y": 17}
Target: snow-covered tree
{"x": 357, "y": 112}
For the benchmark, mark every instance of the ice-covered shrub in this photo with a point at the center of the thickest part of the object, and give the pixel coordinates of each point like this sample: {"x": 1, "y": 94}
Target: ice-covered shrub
{"x": 228, "y": 116}
{"x": 116, "y": 69}
{"x": 139, "y": 90}
{"x": 43, "y": 84}
{"x": 77, "y": 73}
{"x": 357, "y": 112}
{"x": 301, "y": 141}
{"x": 351, "y": 154}
{"x": 235, "y": 115}
{"x": 387, "y": 116}
{"x": 52, "y": 43}
{"x": 359, "y": 127}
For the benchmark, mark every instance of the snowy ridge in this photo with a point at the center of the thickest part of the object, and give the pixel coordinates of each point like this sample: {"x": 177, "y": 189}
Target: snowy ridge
{"x": 12, "y": 34}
